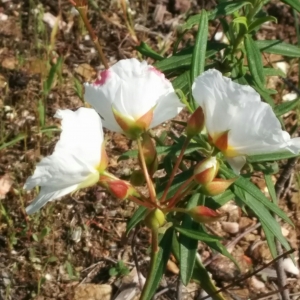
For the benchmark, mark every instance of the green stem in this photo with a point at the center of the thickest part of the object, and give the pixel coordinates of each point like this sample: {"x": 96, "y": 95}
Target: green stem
{"x": 179, "y": 159}
{"x": 150, "y": 185}
{"x": 154, "y": 255}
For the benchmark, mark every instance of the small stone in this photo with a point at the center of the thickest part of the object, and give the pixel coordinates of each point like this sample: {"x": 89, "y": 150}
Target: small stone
{"x": 257, "y": 284}
{"x": 231, "y": 227}
{"x": 250, "y": 237}
{"x": 245, "y": 223}
{"x": 290, "y": 96}
{"x": 290, "y": 267}
{"x": 285, "y": 232}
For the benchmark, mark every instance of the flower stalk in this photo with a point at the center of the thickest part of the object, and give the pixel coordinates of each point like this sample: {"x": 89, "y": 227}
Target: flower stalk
{"x": 172, "y": 176}
{"x": 150, "y": 185}
{"x": 81, "y": 7}
{"x": 153, "y": 262}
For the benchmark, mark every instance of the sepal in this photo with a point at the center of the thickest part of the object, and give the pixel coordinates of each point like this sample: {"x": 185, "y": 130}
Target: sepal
{"x": 206, "y": 170}
{"x": 216, "y": 187}
{"x": 196, "y": 122}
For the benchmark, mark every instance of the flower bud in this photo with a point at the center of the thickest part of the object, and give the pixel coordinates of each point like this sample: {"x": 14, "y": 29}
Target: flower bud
{"x": 203, "y": 214}
{"x": 155, "y": 219}
{"x": 119, "y": 188}
{"x": 149, "y": 151}
{"x": 195, "y": 123}
{"x": 206, "y": 170}
{"x": 216, "y": 187}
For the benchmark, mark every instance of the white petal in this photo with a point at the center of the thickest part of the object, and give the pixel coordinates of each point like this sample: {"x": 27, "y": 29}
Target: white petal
{"x": 47, "y": 194}
{"x": 166, "y": 109}
{"x": 102, "y": 104}
{"x": 236, "y": 163}
{"x": 74, "y": 161}
{"x": 221, "y": 99}
{"x": 82, "y": 135}
{"x": 133, "y": 88}
{"x": 58, "y": 171}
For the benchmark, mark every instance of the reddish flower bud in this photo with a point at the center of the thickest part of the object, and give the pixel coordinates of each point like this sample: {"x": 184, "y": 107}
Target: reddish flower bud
{"x": 195, "y": 123}
{"x": 203, "y": 214}
{"x": 155, "y": 219}
{"x": 119, "y": 188}
{"x": 216, "y": 187}
{"x": 206, "y": 170}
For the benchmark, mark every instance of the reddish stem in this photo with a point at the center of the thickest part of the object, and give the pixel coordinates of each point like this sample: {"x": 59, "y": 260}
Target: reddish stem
{"x": 172, "y": 176}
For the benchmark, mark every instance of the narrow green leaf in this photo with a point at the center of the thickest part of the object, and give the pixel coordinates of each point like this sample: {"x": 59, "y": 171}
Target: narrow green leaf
{"x": 198, "y": 58}
{"x": 293, "y": 3}
{"x": 223, "y": 9}
{"x": 255, "y": 63}
{"x": 182, "y": 60}
{"x": 271, "y": 188}
{"x": 197, "y": 234}
{"x": 263, "y": 214}
{"x": 188, "y": 246}
{"x": 274, "y": 72}
{"x": 137, "y": 217}
{"x": 182, "y": 82}
{"x": 271, "y": 156}
{"x": 146, "y": 50}
{"x": 51, "y": 76}
{"x": 285, "y": 107}
{"x": 241, "y": 20}
{"x": 270, "y": 240}
{"x": 50, "y": 129}
{"x": 201, "y": 276}
{"x": 163, "y": 255}
{"x": 278, "y": 47}
{"x": 251, "y": 191}
{"x": 223, "y": 198}
{"x": 255, "y": 24}
{"x": 219, "y": 247}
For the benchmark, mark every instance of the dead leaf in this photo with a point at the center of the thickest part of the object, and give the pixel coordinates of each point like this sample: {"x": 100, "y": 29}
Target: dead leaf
{"x": 86, "y": 71}
{"x": 5, "y": 185}
{"x": 172, "y": 267}
{"x": 9, "y": 63}
{"x": 93, "y": 292}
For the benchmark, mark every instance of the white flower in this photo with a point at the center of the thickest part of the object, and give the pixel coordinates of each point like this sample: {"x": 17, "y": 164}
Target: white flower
{"x": 132, "y": 97}
{"x": 237, "y": 121}
{"x": 75, "y": 162}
